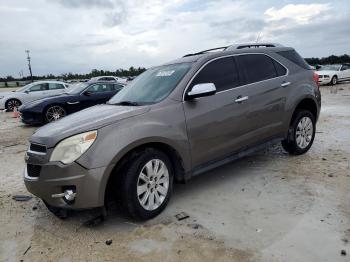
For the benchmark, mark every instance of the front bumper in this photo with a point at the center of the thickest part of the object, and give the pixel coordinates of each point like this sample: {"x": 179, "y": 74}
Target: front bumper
{"x": 31, "y": 118}
{"x": 324, "y": 81}
{"x": 54, "y": 178}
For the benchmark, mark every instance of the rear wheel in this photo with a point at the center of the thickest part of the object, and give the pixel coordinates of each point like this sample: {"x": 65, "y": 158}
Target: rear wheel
{"x": 54, "y": 113}
{"x": 301, "y": 133}
{"x": 11, "y": 104}
{"x": 147, "y": 184}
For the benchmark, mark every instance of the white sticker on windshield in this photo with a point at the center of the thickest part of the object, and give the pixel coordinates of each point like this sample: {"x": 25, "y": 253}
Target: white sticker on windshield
{"x": 165, "y": 73}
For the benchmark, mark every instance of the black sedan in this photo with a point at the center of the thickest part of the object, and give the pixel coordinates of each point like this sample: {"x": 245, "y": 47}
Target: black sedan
{"x": 80, "y": 96}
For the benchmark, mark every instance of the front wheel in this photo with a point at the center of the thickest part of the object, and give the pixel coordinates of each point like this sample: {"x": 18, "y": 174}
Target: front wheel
{"x": 301, "y": 133}
{"x": 11, "y": 104}
{"x": 334, "y": 80}
{"x": 54, "y": 112}
{"x": 147, "y": 184}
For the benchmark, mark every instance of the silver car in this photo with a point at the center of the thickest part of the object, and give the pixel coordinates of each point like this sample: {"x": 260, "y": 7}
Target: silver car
{"x": 31, "y": 92}
{"x": 171, "y": 123}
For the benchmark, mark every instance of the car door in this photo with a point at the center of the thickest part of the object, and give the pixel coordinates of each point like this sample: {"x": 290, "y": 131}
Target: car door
{"x": 344, "y": 73}
{"x": 217, "y": 125}
{"x": 36, "y": 92}
{"x": 268, "y": 85}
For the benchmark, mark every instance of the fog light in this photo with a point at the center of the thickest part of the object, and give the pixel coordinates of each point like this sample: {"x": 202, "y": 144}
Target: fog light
{"x": 69, "y": 195}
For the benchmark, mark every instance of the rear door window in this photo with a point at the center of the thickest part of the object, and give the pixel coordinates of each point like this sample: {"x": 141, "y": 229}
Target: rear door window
{"x": 55, "y": 86}
{"x": 256, "y": 67}
{"x": 221, "y": 72}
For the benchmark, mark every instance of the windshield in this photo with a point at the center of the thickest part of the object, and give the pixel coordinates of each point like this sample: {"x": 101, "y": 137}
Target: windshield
{"x": 151, "y": 86}
{"x": 76, "y": 88}
{"x": 330, "y": 67}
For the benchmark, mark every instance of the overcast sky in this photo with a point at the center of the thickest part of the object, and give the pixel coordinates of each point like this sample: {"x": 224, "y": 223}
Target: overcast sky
{"x": 80, "y": 35}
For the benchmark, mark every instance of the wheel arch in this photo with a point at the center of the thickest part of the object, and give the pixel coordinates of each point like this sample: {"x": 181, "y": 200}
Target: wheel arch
{"x": 306, "y": 103}
{"x": 12, "y": 98}
{"x": 127, "y": 155}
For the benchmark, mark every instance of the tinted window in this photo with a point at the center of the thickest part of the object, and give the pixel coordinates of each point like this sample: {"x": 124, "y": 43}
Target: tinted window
{"x": 54, "y": 86}
{"x": 294, "y": 57}
{"x": 222, "y": 72}
{"x": 281, "y": 70}
{"x": 256, "y": 68}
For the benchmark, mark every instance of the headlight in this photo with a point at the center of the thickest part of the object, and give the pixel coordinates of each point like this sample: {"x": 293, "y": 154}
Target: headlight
{"x": 326, "y": 76}
{"x": 71, "y": 148}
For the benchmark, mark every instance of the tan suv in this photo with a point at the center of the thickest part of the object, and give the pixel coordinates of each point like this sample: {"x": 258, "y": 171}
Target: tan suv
{"x": 173, "y": 122}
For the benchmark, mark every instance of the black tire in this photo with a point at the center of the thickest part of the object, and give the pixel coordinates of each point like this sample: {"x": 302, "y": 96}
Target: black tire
{"x": 47, "y": 119}
{"x": 290, "y": 144}
{"x": 130, "y": 179}
{"x": 11, "y": 103}
{"x": 334, "y": 80}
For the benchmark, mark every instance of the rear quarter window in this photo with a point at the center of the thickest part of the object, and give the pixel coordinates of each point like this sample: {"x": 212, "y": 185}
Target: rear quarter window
{"x": 294, "y": 57}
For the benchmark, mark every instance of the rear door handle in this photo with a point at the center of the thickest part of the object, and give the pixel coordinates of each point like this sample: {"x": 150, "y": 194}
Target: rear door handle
{"x": 240, "y": 99}
{"x": 285, "y": 84}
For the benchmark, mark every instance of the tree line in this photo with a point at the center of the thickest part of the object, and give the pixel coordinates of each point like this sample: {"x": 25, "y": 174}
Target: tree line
{"x": 132, "y": 71}
{"x": 333, "y": 59}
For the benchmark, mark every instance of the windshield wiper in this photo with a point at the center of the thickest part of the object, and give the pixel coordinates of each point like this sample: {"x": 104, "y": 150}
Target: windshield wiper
{"x": 126, "y": 103}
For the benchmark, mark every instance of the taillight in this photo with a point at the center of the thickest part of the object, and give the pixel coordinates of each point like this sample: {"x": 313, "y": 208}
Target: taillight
{"x": 316, "y": 79}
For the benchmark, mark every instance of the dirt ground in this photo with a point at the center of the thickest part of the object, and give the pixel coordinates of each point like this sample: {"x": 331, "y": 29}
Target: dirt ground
{"x": 266, "y": 207}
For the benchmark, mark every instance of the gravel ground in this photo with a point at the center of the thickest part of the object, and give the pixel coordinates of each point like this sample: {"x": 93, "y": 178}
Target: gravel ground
{"x": 266, "y": 207}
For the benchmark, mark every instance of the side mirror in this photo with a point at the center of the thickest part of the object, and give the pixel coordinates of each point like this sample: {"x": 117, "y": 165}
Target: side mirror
{"x": 87, "y": 93}
{"x": 27, "y": 91}
{"x": 201, "y": 90}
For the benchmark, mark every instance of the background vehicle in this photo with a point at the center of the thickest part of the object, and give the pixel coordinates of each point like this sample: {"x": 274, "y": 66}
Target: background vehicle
{"x": 79, "y": 96}
{"x": 108, "y": 78}
{"x": 332, "y": 74}
{"x": 173, "y": 122}
{"x": 31, "y": 92}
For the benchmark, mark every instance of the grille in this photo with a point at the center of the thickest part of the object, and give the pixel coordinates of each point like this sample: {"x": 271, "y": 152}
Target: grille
{"x": 320, "y": 76}
{"x": 37, "y": 148}
{"x": 33, "y": 170}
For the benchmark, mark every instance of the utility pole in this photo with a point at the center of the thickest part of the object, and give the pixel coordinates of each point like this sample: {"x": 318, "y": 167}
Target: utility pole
{"x": 29, "y": 66}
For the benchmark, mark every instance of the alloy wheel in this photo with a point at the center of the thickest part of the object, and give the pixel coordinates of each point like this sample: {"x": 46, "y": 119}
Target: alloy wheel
{"x": 54, "y": 113}
{"x": 153, "y": 184}
{"x": 304, "y": 132}
{"x": 12, "y": 104}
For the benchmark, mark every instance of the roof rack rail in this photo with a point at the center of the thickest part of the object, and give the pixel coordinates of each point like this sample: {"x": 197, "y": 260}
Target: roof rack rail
{"x": 253, "y": 45}
{"x": 206, "y": 51}
{"x": 234, "y": 47}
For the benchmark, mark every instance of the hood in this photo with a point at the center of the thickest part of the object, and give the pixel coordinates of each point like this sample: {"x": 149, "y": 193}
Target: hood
{"x": 8, "y": 93}
{"x": 326, "y": 72}
{"x": 89, "y": 119}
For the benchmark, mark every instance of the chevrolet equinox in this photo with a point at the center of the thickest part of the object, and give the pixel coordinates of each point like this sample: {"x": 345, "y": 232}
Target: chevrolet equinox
{"x": 173, "y": 122}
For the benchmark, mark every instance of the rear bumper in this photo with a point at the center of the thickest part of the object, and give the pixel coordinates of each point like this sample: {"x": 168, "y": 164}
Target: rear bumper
{"x": 54, "y": 178}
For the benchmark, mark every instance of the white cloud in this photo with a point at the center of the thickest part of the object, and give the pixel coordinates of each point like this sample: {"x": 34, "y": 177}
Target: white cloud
{"x": 300, "y": 13}
{"x": 77, "y": 36}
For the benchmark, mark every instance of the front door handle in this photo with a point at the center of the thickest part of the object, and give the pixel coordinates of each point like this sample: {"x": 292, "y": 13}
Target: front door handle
{"x": 285, "y": 84}
{"x": 73, "y": 103}
{"x": 240, "y": 99}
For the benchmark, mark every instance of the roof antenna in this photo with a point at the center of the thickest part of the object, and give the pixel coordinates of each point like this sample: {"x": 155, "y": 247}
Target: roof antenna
{"x": 258, "y": 38}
